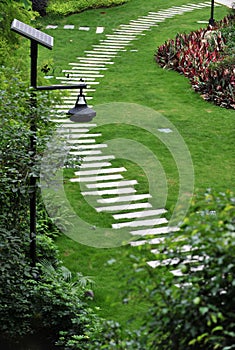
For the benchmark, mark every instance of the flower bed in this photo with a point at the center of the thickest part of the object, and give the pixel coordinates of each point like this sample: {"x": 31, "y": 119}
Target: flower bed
{"x": 203, "y": 56}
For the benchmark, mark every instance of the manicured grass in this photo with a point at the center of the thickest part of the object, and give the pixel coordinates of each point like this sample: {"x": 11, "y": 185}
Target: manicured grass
{"x": 135, "y": 78}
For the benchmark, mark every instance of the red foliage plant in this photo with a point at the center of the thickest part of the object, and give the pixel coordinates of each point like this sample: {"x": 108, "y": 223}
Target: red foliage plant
{"x": 200, "y": 56}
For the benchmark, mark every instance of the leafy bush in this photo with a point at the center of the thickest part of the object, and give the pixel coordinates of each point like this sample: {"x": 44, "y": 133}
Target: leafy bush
{"x": 203, "y": 58}
{"x": 192, "y": 291}
{"x": 59, "y": 7}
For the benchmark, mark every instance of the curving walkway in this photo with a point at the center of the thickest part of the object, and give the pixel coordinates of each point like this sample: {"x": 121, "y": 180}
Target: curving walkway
{"x": 97, "y": 174}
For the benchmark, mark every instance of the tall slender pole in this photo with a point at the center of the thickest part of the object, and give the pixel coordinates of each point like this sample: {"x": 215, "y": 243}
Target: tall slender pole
{"x": 33, "y": 149}
{"x": 211, "y": 20}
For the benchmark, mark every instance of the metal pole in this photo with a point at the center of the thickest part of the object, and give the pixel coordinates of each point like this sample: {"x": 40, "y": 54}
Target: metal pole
{"x": 33, "y": 144}
{"x": 211, "y": 20}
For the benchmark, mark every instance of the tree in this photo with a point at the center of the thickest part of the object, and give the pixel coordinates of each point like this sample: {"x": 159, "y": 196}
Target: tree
{"x": 40, "y": 6}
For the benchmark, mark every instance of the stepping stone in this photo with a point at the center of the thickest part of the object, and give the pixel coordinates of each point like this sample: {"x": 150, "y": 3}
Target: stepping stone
{"x": 99, "y": 30}
{"x": 99, "y": 171}
{"x": 94, "y": 159}
{"x": 88, "y": 68}
{"x": 80, "y": 141}
{"x": 83, "y": 147}
{"x": 95, "y": 165}
{"x": 116, "y": 191}
{"x": 155, "y": 231}
{"x": 135, "y": 197}
{"x": 85, "y": 153}
{"x": 51, "y": 26}
{"x": 166, "y": 130}
{"x": 97, "y": 178}
{"x": 152, "y": 241}
{"x": 84, "y": 28}
{"x": 69, "y": 26}
{"x": 114, "y": 208}
{"x": 137, "y": 223}
{"x": 112, "y": 184}
{"x": 139, "y": 214}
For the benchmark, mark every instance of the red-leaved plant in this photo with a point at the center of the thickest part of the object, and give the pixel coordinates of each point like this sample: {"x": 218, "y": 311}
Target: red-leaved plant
{"x": 201, "y": 56}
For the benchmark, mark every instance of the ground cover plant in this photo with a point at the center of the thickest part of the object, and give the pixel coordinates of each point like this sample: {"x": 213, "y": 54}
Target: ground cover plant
{"x": 206, "y": 57}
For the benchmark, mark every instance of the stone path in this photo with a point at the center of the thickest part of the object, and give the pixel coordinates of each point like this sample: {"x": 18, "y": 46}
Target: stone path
{"x": 97, "y": 173}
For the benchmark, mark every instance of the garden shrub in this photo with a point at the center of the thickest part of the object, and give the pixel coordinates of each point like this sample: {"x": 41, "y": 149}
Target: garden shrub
{"x": 58, "y": 7}
{"x": 194, "y": 308}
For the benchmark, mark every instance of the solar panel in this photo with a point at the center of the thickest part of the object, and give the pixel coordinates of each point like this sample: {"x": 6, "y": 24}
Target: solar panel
{"x": 32, "y": 33}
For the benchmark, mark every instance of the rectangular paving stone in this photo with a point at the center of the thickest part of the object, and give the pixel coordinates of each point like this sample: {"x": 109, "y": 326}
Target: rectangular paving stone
{"x": 94, "y": 159}
{"x": 114, "y": 208}
{"x": 95, "y": 165}
{"x": 84, "y": 28}
{"x": 142, "y": 242}
{"x": 83, "y": 147}
{"x": 112, "y": 184}
{"x": 99, "y": 171}
{"x": 85, "y": 153}
{"x": 140, "y": 214}
{"x": 97, "y": 178}
{"x": 69, "y": 26}
{"x": 138, "y": 223}
{"x": 50, "y": 26}
{"x": 155, "y": 231}
{"x": 81, "y": 141}
{"x": 99, "y": 30}
{"x": 135, "y": 197}
{"x": 116, "y": 191}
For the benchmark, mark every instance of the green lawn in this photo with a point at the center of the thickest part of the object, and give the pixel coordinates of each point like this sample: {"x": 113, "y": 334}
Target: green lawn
{"x": 135, "y": 78}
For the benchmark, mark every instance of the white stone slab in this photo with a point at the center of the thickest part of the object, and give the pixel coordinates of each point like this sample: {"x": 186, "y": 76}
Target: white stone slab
{"x": 97, "y": 178}
{"x": 142, "y": 242}
{"x": 99, "y": 171}
{"x": 95, "y": 59}
{"x": 88, "y": 69}
{"x": 85, "y": 153}
{"x": 94, "y": 165}
{"x": 50, "y": 26}
{"x": 98, "y": 65}
{"x": 112, "y": 184}
{"x": 135, "y": 197}
{"x": 138, "y": 223}
{"x": 84, "y": 147}
{"x": 70, "y": 124}
{"x": 81, "y": 141}
{"x": 116, "y": 191}
{"x": 155, "y": 231}
{"x": 114, "y": 208}
{"x": 99, "y": 30}
{"x": 94, "y": 159}
{"x": 115, "y": 42}
{"x": 106, "y": 50}
{"x": 84, "y": 28}
{"x": 69, "y": 26}
{"x": 122, "y": 37}
{"x": 165, "y": 130}
{"x": 74, "y": 132}
{"x": 140, "y": 214}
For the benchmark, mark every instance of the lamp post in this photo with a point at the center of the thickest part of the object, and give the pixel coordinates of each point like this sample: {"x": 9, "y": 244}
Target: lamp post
{"x": 211, "y": 20}
{"x": 81, "y": 113}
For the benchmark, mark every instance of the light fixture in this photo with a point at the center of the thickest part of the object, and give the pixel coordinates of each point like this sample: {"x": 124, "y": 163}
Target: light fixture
{"x": 81, "y": 113}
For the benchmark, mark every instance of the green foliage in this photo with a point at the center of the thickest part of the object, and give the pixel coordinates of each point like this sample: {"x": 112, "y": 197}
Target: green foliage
{"x": 59, "y": 7}
{"x": 40, "y": 6}
{"x": 195, "y": 310}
